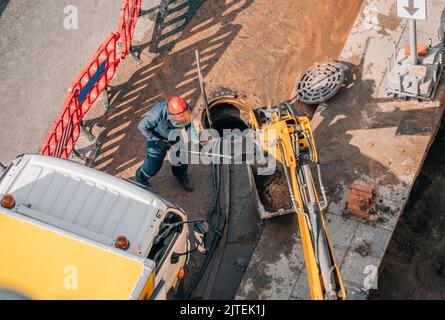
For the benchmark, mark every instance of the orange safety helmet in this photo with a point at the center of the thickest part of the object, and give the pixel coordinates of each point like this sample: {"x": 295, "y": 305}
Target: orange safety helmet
{"x": 179, "y": 112}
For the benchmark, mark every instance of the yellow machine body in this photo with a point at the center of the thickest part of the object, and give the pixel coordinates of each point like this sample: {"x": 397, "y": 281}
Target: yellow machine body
{"x": 284, "y": 136}
{"x": 44, "y": 264}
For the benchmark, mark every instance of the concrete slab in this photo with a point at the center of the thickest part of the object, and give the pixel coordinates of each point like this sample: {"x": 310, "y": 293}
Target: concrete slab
{"x": 301, "y": 287}
{"x": 277, "y": 265}
{"x": 342, "y": 230}
{"x": 370, "y": 241}
{"x": 358, "y": 271}
{"x": 363, "y": 135}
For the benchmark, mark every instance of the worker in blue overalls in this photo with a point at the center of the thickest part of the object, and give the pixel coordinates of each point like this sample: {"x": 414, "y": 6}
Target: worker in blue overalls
{"x": 156, "y": 127}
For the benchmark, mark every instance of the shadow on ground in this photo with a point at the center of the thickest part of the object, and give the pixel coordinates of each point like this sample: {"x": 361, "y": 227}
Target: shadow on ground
{"x": 168, "y": 74}
{"x": 338, "y": 128}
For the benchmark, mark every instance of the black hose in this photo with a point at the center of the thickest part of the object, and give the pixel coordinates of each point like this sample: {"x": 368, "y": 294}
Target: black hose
{"x": 217, "y": 220}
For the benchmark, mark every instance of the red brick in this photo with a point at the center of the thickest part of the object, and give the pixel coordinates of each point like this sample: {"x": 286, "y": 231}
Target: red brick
{"x": 364, "y": 187}
{"x": 355, "y": 210}
{"x": 362, "y": 195}
{"x": 360, "y": 199}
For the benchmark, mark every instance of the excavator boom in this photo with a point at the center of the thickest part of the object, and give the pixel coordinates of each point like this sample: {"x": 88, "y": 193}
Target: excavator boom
{"x": 290, "y": 139}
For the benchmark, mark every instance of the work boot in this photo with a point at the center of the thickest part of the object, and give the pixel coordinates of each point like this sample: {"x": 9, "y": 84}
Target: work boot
{"x": 145, "y": 183}
{"x": 186, "y": 183}
{"x": 142, "y": 179}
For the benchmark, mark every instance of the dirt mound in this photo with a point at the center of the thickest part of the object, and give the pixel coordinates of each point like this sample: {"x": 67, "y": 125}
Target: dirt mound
{"x": 274, "y": 191}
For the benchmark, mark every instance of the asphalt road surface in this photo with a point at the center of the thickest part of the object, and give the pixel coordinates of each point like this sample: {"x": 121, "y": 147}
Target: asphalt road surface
{"x": 40, "y": 59}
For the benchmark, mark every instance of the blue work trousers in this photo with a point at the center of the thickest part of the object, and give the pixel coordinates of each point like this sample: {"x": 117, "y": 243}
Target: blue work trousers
{"x": 156, "y": 152}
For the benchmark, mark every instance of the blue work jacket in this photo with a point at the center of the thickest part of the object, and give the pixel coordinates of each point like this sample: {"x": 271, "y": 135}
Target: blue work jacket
{"x": 157, "y": 126}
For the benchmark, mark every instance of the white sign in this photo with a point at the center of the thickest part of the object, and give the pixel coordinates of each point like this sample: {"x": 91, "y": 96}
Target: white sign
{"x": 411, "y": 9}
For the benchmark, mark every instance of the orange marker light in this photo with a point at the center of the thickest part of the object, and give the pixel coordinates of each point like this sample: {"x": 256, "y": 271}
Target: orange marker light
{"x": 8, "y": 201}
{"x": 181, "y": 273}
{"x": 122, "y": 243}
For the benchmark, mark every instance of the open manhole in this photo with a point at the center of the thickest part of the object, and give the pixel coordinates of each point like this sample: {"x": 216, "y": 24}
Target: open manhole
{"x": 252, "y": 197}
{"x": 227, "y": 113}
{"x": 271, "y": 192}
{"x": 320, "y": 83}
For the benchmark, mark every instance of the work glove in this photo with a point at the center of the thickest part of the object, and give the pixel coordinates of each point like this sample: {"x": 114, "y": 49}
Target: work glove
{"x": 164, "y": 144}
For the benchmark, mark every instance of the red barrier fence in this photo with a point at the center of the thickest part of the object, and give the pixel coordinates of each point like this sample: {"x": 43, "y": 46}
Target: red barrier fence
{"x": 85, "y": 90}
{"x": 129, "y": 15}
{"x": 65, "y": 131}
{"x": 96, "y": 76}
{"x": 90, "y": 83}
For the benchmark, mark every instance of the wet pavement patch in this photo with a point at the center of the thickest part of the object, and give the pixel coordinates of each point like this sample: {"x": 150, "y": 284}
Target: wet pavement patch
{"x": 243, "y": 233}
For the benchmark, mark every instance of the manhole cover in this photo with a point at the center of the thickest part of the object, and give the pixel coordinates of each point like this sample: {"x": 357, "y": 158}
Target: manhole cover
{"x": 320, "y": 83}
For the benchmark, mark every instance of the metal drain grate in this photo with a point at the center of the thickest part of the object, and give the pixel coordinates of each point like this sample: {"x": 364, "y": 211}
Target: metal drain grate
{"x": 320, "y": 83}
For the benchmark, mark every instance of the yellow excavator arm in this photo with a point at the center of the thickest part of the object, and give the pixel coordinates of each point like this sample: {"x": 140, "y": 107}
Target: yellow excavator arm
{"x": 290, "y": 140}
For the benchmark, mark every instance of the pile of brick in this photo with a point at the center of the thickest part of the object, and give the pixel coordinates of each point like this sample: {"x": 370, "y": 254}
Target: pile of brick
{"x": 360, "y": 199}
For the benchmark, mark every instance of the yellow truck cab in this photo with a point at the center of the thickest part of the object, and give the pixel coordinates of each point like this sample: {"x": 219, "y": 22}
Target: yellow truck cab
{"x": 71, "y": 232}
